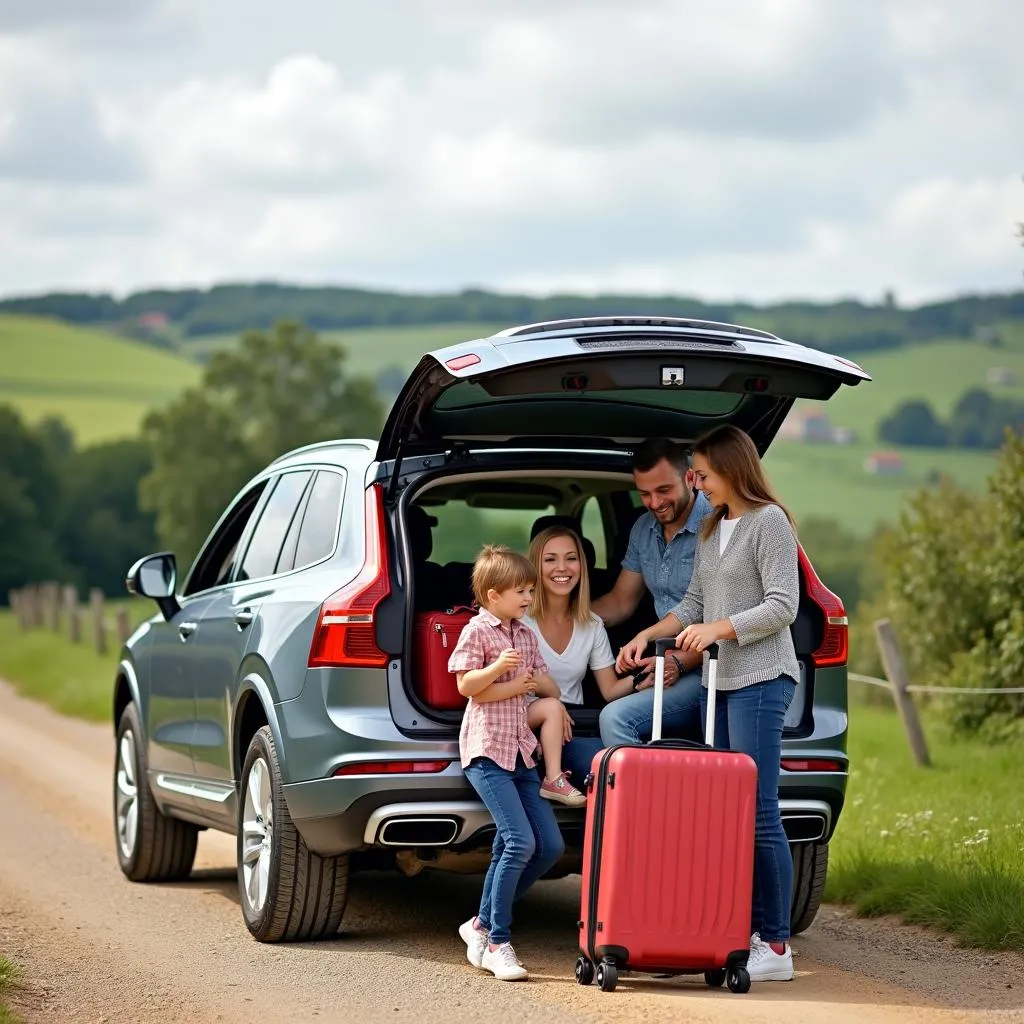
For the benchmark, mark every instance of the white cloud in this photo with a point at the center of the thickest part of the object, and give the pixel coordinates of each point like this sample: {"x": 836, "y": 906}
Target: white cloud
{"x": 783, "y": 147}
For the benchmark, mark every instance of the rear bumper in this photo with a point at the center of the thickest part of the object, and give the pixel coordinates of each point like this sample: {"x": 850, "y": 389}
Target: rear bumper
{"x": 336, "y": 817}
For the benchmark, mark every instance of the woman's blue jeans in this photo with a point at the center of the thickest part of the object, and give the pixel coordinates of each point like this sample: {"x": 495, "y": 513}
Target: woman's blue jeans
{"x": 750, "y": 720}
{"x": 528, "y": 842}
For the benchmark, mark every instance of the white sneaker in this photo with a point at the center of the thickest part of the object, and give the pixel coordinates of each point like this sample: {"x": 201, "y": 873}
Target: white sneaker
{"x": 503, "y": 963}
{"x": 764, "y": 964}
{"x": 475, "y": 940}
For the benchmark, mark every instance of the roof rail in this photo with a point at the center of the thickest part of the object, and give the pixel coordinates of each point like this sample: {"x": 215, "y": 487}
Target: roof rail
{"x": 356, "y": 442}
{"x": 685, "y": 323}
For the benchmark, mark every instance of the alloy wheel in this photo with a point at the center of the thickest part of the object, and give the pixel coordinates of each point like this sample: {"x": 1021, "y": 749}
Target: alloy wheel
{"x": 257, "y": 835}
{"x": 127, "y": 798}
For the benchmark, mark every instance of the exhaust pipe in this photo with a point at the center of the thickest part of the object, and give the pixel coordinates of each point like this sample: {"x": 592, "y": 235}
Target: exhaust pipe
{"x": 418, "y": 831}
{"x": 803, "y": 828}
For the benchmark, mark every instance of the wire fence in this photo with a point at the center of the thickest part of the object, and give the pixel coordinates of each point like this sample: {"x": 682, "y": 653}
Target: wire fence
{"x": 857, "y": 677}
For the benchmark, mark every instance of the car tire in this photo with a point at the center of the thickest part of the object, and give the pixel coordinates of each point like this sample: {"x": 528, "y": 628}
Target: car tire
{"x": 151, "y": 847}
{"x": 287, "y": 892}
{"x": 810, "y": 868}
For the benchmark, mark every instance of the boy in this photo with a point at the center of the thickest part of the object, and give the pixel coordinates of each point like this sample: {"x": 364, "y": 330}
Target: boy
{"x": 497, "y": 665}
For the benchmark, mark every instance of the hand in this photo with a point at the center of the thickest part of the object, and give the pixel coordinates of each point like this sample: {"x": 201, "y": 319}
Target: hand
{"x": 567, "y": 724}
{"x": 671, "y": 673}
{"x": 525, "y": 682}
{"x": 698, "y": 636}
{"x": 671, "y": 670}
{"x": 509, "y": 659}
{"x": 630, "y": 654}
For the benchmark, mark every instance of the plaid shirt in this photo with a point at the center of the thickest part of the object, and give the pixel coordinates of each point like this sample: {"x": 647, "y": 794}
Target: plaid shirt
{"x": 497, "y": 728}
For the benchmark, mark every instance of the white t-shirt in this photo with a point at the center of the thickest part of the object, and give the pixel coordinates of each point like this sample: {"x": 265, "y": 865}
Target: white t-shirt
{"x": 725, "y": 528}
{"x": 588, "y": 647}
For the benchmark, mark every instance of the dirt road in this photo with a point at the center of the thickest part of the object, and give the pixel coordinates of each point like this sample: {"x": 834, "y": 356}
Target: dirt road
{"x": 96, "y": 948}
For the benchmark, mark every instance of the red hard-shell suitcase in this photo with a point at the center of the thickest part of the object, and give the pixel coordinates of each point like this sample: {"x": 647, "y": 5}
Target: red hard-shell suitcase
{"x": 435, "y": 635}
{"x": 668, "y": 857}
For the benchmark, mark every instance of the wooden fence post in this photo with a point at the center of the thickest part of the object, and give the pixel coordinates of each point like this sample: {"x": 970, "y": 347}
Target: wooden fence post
{"x": 51, "y": 605}
{"x": 896, "y": 673}
{"x": 71, "y": 610}
{"x": 99, "y": 623}
{"x": 17, "y": 607}
{"x": 124, "y": 628}
{"x": 27, "y": 604}
{"x": 36, "y": 614}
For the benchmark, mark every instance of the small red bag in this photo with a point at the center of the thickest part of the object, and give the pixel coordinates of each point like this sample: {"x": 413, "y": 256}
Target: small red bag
{"x": 435, "y": 634}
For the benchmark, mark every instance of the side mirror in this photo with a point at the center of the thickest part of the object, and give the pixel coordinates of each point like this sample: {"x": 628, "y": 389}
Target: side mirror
{"x": 155, "y": 576}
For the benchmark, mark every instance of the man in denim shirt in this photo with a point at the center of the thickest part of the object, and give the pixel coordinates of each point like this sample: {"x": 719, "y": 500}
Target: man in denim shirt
{"x": 659, "y": 557}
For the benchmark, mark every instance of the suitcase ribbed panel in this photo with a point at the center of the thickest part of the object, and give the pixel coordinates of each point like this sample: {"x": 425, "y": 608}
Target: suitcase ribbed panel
{"x": 676, "y": 856}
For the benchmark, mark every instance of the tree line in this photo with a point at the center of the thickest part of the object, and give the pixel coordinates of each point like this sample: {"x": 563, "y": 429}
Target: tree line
{"x": 846, "y": 326}
{"x": 978, "y": 420}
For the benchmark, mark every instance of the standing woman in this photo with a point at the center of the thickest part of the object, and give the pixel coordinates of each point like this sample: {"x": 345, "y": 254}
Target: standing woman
{"x": 744, "y": 596}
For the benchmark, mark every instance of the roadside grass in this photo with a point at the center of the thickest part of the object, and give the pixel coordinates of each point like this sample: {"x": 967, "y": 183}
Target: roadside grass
{"x": 71, "y": 678}
{"x": 940, "y": 846}
{"x": 10, "y": 976}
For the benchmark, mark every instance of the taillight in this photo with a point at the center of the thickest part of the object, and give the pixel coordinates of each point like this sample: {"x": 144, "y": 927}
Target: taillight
{"x": 835, "y": 644}
{"x": 345, "y": 633}
{"x": 810, "y": 764}
{"x": 391, "y": 767}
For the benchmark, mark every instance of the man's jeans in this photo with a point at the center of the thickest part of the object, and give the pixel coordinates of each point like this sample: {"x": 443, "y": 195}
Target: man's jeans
{"x": 750, "y": 720}
{"x": 528, "y": 842}
{"x": 630, "y": 719}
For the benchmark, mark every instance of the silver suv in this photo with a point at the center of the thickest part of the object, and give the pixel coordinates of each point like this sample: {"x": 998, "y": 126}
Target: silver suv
{"x": 277, "y": 693}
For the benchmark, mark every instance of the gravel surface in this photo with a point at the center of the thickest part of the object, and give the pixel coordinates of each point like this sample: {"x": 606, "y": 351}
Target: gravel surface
{"x": 95, "y": 947}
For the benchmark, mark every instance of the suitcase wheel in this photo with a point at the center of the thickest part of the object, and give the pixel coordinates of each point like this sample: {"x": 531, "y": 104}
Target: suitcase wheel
{"x": 738, "y": 979}
{"x": 715, "y": 978}
{"x": 608, "y": 976}
{"x": 584, "y": 971}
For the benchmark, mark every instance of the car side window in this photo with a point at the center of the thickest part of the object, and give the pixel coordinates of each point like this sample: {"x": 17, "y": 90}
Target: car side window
{"x": 592, "y": 524}
{"x": 216, "y": 561}
{"x": 261, "y": 555}
{"x": 319, "y": 529}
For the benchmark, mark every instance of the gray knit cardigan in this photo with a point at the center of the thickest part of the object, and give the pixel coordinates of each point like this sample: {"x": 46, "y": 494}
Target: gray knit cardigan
{"x": 755, "y": 584}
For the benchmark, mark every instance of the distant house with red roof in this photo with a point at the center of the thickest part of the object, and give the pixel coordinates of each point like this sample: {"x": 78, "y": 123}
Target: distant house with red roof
{"x": 884, "y": 463}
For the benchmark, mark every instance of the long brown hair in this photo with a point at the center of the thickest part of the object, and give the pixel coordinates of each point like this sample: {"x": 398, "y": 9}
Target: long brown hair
{"x": 579, "y": 598}
{"x": 732, "y": 455}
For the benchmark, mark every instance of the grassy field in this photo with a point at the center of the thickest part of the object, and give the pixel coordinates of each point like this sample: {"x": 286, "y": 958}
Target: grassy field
{"x": 940, "y": 846}
{"x": 939, "y": 371}
{"x": 830, "y": 481}
{"x": 72, "y": 678}
{"x": 9, "y": 975}
{"x": 101, "y": 385}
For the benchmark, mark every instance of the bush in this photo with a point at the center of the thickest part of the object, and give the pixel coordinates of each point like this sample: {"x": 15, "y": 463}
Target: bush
{"x": 954, "y": 578}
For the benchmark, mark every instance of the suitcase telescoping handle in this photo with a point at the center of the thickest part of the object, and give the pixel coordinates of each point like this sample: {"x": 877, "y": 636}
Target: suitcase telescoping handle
{"x": 660, "y": 647}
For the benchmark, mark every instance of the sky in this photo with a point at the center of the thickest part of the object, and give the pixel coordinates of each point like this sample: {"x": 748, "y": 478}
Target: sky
{"x": 758, "y": 149}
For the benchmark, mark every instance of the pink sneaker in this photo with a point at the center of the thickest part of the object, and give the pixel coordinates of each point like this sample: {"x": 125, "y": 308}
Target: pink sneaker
{"x": 562, "y": 791}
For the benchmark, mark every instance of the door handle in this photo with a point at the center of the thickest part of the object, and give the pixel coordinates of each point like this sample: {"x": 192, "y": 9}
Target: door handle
{"x": 186, "y": 629}
{"x": 243, "y": 617}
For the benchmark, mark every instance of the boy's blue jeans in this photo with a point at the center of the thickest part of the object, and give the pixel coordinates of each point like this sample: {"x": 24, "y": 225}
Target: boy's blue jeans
{"x": 750, "y": 720}
{"x": 528, "y": 842}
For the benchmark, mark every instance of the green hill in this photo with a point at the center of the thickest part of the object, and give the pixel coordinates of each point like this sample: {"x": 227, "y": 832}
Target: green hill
{"x": 100, "y": 385}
